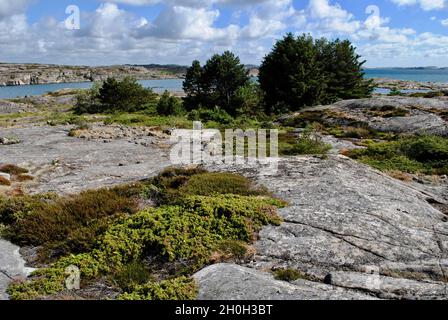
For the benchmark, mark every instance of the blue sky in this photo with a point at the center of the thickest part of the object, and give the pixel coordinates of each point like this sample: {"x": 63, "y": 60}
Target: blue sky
{"x": 390, "y": 33}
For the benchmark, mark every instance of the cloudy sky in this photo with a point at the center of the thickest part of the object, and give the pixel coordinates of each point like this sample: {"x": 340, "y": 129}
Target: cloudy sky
{"x": 386, "y": 32}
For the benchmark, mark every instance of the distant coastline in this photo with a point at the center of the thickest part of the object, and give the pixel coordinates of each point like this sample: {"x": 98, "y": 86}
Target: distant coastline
{"x": 61, "y": 76}
{"x": 12, "y": 74}
{"x": 407, "y": 68}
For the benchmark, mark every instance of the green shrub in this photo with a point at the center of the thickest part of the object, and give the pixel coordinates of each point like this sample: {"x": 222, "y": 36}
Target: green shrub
{"x": 48, "y": 281}
{"x": 306, "y": 143}
{"x": 416, "y": 154}
{"x": 395, "y": 92}
{"x": 220, "y": 183}
{"x": 61, "y": 225}
{"x": 183, "y": 237}
{"x": 173, "y": 184}
{"x": 169, "y": 105}
{"x": 132, "y": 274}
{"x": 211, "y": 115}
{"x": 87, "y": 101}
{"x": 115, "y": 95}
{"x": 189, "y": 232}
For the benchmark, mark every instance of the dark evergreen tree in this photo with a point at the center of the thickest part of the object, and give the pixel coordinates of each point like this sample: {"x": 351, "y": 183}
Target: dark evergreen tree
{"x": 216, "y": 84}
{"x": 194, "y": 86}
{"x": 125, "y": 95}
{"x": 301, "y": 71}
{"x": 344, "y": 72}
{"x": 291, "y": 75}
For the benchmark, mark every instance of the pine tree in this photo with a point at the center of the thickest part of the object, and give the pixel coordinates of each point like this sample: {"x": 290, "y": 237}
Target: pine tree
{"x": 194, "y": 86}
{"x": 216, "y": 84}
{"x": 345, "y": 76}
{"x": 301, "y": 71}
{"x": 291, "y": 75}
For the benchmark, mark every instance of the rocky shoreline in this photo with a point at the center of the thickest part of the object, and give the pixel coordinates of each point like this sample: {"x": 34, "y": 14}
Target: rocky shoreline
{"x": 31, "y": 74}
{"x": 385, "y": 83}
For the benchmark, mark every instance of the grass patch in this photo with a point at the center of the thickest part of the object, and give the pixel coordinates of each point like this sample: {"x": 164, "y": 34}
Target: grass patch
{"x": 414, "y": 154}
{"x": 289, "y": 275}
{"x": 142, "y": 119}
{"x": 388, "y": 112}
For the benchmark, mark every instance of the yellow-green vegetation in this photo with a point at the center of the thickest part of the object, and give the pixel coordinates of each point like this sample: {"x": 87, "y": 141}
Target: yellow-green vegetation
{"x": 306, "y": 143}
{"x": 7, "y": 119}
{"x": 289, "y": 275}
{"x": 181, "y": 288}
{"x": 412, "y": 154}
{"x": 101, "y": 232}
{"x": 174, "y": 184}
{"x": 148, "y": 120}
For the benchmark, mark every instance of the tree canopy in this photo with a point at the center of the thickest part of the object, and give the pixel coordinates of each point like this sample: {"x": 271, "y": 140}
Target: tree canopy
{"x": 216, "y": 83}
{"x": 301, "y": 71}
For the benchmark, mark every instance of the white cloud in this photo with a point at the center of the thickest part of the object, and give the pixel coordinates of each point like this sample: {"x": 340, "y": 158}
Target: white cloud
{"x": 426, "y": 5}
{"x": 444, "y": 22}
{"x": 9, "y": 8}
{"x": 192, "y": 29}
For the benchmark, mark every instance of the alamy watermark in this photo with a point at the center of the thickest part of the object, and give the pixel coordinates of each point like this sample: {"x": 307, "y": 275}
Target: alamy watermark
{"x": 73, "y": 21}
{"x": 73, "y": 279}
{"x": 242, "y": 147}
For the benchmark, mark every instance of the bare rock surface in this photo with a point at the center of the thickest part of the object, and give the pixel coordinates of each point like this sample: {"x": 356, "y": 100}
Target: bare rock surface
{"x": 66, "y": 164}
{"x": 234, "y": 282}
{"x": 9, "y": 107}
{"x": 345, "y": 216}
{"x": 422, "y": 115}
{"x": 409, "y": 85}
